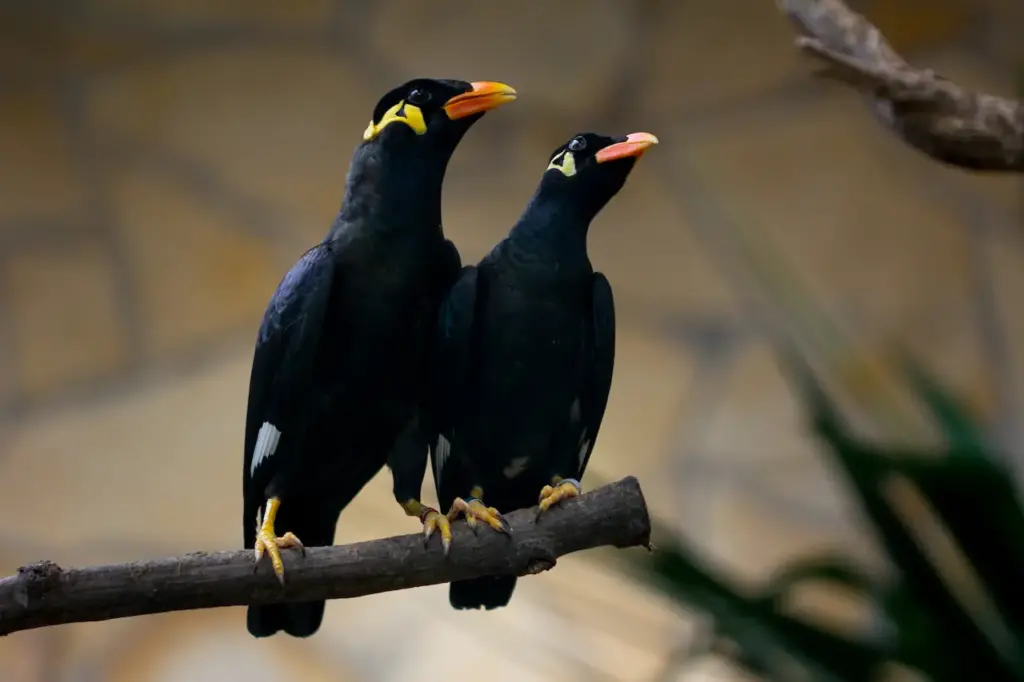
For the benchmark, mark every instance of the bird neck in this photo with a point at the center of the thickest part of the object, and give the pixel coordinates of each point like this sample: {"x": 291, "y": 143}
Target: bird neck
{"x": 394, "y": 194}
{"x": 553, "y": 221}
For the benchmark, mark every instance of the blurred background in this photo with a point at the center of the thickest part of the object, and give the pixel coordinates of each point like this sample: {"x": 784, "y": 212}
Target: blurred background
{"x": 162, "y": 164}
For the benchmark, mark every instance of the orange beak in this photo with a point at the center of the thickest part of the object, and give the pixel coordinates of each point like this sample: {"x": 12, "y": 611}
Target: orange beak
{"x": 634, "y": 145}
{"x": 484, "y": 96}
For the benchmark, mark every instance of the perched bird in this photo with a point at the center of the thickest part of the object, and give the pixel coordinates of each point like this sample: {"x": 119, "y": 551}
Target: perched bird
{"x": 523, "y": 357}
{"x": 341, "y": 355}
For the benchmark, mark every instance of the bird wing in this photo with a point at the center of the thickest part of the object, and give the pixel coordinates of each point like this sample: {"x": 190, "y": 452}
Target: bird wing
{"x": 408, "y": 456}
{"x": 286, "y": 348}
{"x": 597, "y": 371}
{"x": 452, "y": 357}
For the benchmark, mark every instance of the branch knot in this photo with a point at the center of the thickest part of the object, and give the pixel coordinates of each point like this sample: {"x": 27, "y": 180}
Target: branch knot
{"x": 34, "y": 581}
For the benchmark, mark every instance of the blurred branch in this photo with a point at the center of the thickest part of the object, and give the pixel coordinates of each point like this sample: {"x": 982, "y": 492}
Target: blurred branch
{"x": 43, "y": 594}
{"x": 930, "y": 113}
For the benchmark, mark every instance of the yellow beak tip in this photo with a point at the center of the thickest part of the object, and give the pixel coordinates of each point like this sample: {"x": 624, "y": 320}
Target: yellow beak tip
{"x": 482, "y": 96}
{"x": 646, "y": 139}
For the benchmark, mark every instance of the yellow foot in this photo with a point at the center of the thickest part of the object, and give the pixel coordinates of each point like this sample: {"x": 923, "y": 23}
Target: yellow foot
{"x": 475, "y": 511}
{"x": 563, "y": 489}
{"x": 434, "y": 520}
{"x": 267, "y": 541}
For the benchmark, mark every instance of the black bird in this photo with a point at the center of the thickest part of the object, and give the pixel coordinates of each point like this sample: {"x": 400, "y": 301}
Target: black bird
{"x": 524, "y": 352}
{"x": 342, "y": 353}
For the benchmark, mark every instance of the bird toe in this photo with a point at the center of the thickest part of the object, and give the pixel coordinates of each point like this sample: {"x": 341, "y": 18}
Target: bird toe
{"x": 271, "y": 545}
{"x": 562, "y": 490}
{"x": 475, "y": 512}
{"x": 434, "y": 521}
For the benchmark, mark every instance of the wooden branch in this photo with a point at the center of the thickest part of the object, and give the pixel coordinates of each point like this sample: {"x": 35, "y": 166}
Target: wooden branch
{"x": 44, "y": 594}
{"x": 932, "y": 114}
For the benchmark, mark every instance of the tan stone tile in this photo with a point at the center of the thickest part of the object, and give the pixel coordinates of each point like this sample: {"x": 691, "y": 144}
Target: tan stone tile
{"x": 21, "y": 656}
{"x": 753, "y": 542}
{"x": 33, "y": 43}
{"x": 199, "y": 274}
{"x": 38, "y": 178}
{"x": 919, "y": 24}
{"x": 628, "y": 628}
{"x": 485, "y": 165}
{"x": 65, "y": 322}
{"x": 948, "y": 346}
{"x": 273, "y": 13}
{"x": 477, "y": 218}
{"x": 213, "y": 644}
{"x": 41, "y": 46}
{"x": 88, "y": 646}
{"x": 759, "y": 421}
{"x": 652, "y": 382}
{"x": 138, "y": 451}
{"x": 573, "y": 47}
{"x": 278, "y": 126}
{"x": 1004, "y": 30}
{"x": 704, "y": 53}
{"x": 814, "y": 193}
{"x": 1008, "y": 275}
{"x": 642, "y": 242}
{"x": 839, "y": 610}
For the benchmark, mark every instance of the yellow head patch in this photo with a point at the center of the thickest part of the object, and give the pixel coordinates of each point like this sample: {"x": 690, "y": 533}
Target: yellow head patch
{"x": 409, "y": 114}
{"x": 564, "y": 162}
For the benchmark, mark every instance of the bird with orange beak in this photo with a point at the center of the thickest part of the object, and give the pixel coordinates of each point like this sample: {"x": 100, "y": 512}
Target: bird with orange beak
{"x": 340, "y": 365}
{"x": 523, "y": 355}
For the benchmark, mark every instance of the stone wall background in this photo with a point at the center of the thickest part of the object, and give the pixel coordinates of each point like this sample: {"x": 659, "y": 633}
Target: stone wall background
{"x": 163, "y": 163}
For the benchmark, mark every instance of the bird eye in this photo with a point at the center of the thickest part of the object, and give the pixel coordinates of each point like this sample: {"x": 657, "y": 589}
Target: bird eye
{"x": 418, "y": 97}
{"x": 578, "y": 144}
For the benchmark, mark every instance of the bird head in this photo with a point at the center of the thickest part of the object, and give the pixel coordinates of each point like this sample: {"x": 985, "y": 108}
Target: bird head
{"x": 428, "y": 113}
{"x": 592, "y": 168}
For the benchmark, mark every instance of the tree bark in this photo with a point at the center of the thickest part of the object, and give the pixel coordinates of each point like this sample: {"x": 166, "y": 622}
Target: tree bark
{"x": 930, "y": 113}
{"x": 44, "y": 594}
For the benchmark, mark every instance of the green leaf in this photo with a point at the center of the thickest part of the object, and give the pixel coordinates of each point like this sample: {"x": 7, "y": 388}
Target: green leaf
{"x": 771, "y": 644}
{"x": 869, "y": 471}
{"x": 978, "y": 503}
{"x": 973, "y": 492}
{"x": 950, "y": 415}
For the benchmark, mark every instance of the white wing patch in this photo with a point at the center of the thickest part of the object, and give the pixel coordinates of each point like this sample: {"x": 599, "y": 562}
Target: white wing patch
{"x": 575, "y": 412}
{"x": 266, "y": 445}
{"x": 441, "y": 452}
{"x": 515, "y": 467}
{"x": 575, "y": 416}
{"x": 584, "y": 449}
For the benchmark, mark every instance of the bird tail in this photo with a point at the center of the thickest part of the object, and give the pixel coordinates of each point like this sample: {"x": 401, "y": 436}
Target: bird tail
{"x": 298, "y": 619}
{"x": 488, "y": 593}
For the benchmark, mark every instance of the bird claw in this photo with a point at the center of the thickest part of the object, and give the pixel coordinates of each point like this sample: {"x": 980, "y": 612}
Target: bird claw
{"x": 551, "y": 495}
{"x": 475, "y": 511}
{"x": 267, "y": 542}
{"x": 433, "y": 520}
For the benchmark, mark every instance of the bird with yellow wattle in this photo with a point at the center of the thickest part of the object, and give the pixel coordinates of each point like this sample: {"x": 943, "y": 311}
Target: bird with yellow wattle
{"x": 340, "y": 364}
{"x": 524, "y": 352}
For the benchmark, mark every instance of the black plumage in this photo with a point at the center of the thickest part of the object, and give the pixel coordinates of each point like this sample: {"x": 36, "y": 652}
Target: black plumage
{"x": 341, "y": 357}
{"x": 523, "y": 359}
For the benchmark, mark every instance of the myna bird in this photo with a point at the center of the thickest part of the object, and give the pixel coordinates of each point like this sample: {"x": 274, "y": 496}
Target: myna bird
{"x": 341, "y": 357}
{"x": 523, "y": 357}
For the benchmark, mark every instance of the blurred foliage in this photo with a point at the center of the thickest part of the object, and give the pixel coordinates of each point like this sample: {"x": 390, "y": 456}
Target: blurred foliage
{"x": 950, "y": 526}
